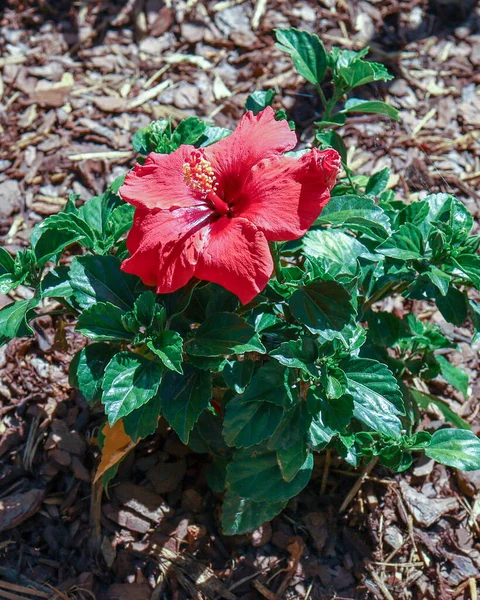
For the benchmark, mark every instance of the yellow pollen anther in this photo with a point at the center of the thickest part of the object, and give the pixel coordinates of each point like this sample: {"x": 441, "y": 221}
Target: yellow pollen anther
{"x": 198, "y": 173}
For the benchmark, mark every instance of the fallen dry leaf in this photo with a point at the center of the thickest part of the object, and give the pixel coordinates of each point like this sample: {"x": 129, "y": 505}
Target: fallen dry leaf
{"x": 116, "y": 446}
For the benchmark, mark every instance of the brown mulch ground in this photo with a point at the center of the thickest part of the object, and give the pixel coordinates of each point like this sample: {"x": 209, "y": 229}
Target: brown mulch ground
{"x": 76, "y": 81}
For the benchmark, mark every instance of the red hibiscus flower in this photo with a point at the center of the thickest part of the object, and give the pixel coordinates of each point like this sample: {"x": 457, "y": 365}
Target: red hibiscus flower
{"x": 211, "y": 213}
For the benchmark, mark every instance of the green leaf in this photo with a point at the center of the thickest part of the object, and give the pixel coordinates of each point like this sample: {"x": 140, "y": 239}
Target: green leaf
{"x": 130, "y": 381}
{"x": 184, "y": 398}
{"x": 238, "y": 374}
{"x": 376, "y": 395}
{"x": 52, "y": 242}
{"x": 391, "y": 456}
{"x": 322, "y": 305}
{"x": 384, "y": 329}
{"x": 241, "y": 515}
{"x": 457, "y": 448}
{"x": 248, "y": 423}
{"x": 189, "y": 131}
{"x": 336, "y": 383}
{"x": 6, "y": 262}
{"x": 143, "y": 421}
{"x": 88, "y": 368}
{"x": 356, "y": 213}
{"x": 14, "y": 319}
{"x": 213, "y": 135}
{"x": 415, "y": 213}
{"x": 336, "y": 248}
{"x": 216, "y": 474}
{"x": 405, "y": 244}
{"x": 470, "y": 265}
{"x": 57, "y": 232}
{"x": 119, "y": 222}
{"x": 117, "y": 183}
{"x": 474, "y": 311}
{"x": 377, "y": 182}
{"x": 440, "y": 279}
{"x": 299, "y": 354}
{"x": 453, "y": 306}
{"x": 446, "y": 209}
{"x": 9, "y": 282}
{"x": 208, "y": 363}
{"x": 270, "y": 383}
{"x": 154, "y": 138}
{"x": 65, "y": 219}
{"x": 220, "y": 300}
{"x": 56, "y": 284}
{"x": 206, "y": 436}
{"x": 292, "y": 428}
{"x": 339, "y": 57}
{"x": 10, "y": 277}
{"x": 103, "y": 322}
{"x": 331, "y": 139}
{"x": 453, "y": 375}
{"x": 360, "y": 72}
{"x": 357, "y": 105}
{"x": 256, "y": 475}
{"x": 291, "y": 459}
{"x": 307, "y": 52}
{"x": 97, "y": 212}
{"x": 259, "y": 100}
{"x": 319, "y": 435}
{"x": 144, "y": 308}
{"x": 99, "y": 279}
{"x": 224, "y": 333}
{"x": 168, "y": 346}
{"x": 333, "y": 121}
{"x": 425, "y": 400}
{"x": 336, "y": 412}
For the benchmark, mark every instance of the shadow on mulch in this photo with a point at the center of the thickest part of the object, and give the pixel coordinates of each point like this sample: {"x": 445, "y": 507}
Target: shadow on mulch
{"x": 66, "y": 18}
{"x": 439, "y": 19}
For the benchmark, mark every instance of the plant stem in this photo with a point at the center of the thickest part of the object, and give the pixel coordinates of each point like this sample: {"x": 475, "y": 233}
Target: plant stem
{"x": 328, "y": 109}
{"x": 349, "y": 176}
{"x": 388, "y": 290}
{"x": 276, "y": 262}
{"x": 322, "y": 97}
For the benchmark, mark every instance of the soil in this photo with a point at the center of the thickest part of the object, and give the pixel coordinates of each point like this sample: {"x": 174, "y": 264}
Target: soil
{"x": 76, "y": 81}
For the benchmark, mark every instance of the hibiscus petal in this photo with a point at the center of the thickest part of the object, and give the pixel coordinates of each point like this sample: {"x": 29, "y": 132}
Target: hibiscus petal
{"x": 165, "y": 246}
{"x": 283, "y": 196}
{"x": 237, "y": 257}
{"x": 159, "y": 183}
{"x": 256, "y": 137}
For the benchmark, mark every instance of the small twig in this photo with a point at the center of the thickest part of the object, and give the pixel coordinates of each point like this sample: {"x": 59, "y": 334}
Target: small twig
{"x": 460, "y": 588}
{"x": 309, "y": 591}
{"x": 22, "y": 589}
{"x": 368, "y": 478}
{"x": 358, "y": 484}
{"x": 258, "y": 12}
{"x": 110, "y": 154}
{"x": 382, "y": 586}
{"x": 395, "y": 551}
{"x": 473, "y": 588}
{"x": 417, "y": 563}
{"x": 266, "y": 593}
{"x": 328, "y": 460}
{"x": 247, "y": 578}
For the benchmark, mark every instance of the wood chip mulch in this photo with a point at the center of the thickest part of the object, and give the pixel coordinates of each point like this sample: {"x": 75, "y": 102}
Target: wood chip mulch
{"x": 76, "y": 81}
